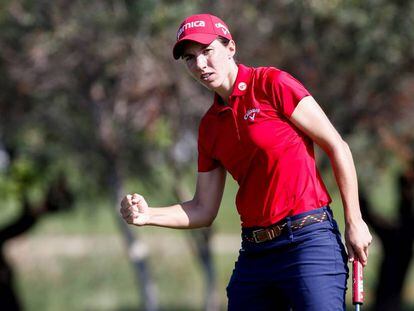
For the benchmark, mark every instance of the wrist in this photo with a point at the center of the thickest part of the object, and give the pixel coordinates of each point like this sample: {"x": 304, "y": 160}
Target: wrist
{"x": 352, "y": 217}
{"x": 353, "y": 221}
{"x": 152, "y": 216}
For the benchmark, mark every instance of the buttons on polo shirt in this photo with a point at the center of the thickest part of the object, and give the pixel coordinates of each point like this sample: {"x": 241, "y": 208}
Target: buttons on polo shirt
{"x": 242, "y": 86}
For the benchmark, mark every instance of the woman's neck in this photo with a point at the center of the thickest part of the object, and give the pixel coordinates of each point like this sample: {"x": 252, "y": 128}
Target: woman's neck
{"x": 226, "y": 88}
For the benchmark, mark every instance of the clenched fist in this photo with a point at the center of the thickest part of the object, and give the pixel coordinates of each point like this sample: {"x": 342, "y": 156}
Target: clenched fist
{"x": 134, "y": 209}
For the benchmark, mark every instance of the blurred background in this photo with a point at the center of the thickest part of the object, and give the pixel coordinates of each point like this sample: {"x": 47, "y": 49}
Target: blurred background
{"x": 93, "y": 106}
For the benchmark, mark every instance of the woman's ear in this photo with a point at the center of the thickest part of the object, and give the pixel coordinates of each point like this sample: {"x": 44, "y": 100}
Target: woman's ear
{"x": 231, "y": 48}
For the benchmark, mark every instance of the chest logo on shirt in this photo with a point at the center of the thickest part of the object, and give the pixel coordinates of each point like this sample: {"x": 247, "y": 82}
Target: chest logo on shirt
{"x": 242, "y": 86}
{"x": 251, "y": 114}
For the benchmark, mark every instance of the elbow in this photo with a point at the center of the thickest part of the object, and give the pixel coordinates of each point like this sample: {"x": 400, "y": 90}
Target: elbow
{"x": 344, "y": 146}
{"x": 204, "y": 213}
{"x": 209, "y": 222}
{"x": 206, "y": 224}
{"x": 209, "y": 219}
{"x": 339, "y": 146}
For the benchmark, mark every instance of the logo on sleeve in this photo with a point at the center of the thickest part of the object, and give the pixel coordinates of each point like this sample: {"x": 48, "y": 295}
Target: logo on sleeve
{"x": 251, "y": 114}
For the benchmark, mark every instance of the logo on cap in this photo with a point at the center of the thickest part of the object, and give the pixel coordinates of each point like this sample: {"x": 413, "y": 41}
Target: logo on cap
{"x": 223, "y": 28}
{"x": 190, "y": 25}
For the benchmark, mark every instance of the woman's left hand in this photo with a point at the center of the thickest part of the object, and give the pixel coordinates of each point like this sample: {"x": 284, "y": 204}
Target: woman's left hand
{"x": 357, "y": 241}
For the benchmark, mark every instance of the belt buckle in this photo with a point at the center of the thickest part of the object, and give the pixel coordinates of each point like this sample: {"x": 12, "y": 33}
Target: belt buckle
{"x": 263, "y": 235}
{"x": 258, "y": 235}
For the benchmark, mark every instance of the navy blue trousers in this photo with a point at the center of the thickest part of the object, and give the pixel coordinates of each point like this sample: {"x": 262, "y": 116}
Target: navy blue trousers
{"x": 301, "y": 270}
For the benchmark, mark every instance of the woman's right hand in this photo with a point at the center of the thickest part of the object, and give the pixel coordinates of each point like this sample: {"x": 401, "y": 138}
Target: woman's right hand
{"x": 134, "y": 210}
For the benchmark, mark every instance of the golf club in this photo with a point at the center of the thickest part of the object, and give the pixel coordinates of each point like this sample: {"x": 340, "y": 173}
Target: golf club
{"x": 357, "y": 284}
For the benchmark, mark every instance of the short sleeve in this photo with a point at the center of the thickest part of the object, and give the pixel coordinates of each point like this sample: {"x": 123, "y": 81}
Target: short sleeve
{"x": 206, "y": 162}
{"x": 287, "y": 92}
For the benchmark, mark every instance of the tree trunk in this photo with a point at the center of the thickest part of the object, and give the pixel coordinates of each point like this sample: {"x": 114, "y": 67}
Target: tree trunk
{"x": 137, "y": 250}
{"x": 200, "y": 240}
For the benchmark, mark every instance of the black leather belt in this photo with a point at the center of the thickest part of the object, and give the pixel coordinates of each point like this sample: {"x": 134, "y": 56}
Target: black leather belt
{"x": 273, "y": 231}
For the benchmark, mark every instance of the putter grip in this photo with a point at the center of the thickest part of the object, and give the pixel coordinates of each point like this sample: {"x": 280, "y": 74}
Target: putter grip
{"x": 357, "y": 282}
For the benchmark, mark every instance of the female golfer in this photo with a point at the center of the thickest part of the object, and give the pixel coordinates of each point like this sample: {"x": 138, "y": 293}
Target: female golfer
{"x": 261, "y": 128}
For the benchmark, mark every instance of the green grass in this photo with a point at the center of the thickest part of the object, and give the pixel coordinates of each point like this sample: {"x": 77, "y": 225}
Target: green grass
{"x": 104, "y": 280}
{"x": 91, "y": 282}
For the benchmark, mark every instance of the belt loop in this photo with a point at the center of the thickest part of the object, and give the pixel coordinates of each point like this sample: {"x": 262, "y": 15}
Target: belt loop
{"x": 329, "y": 213}
{"x": 289, "y": 225}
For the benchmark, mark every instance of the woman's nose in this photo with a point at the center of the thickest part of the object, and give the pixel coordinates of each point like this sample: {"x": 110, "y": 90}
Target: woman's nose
{"x": 201, "y": 62}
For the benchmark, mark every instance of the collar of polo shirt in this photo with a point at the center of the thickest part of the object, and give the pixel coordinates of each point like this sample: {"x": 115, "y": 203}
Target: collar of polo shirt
{"x": 241, "y": 86}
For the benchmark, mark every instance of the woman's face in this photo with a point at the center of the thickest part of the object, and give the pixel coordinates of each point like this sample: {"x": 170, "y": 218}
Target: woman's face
{"x": 210, "y": 65}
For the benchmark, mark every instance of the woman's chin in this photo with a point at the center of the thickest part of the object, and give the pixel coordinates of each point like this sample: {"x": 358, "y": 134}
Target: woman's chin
{"x": 211, "y": 85}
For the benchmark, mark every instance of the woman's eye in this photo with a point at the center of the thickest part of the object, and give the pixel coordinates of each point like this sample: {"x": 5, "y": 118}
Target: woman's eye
{"x": 188, "y": 58}
{"x": 207, "y": 51}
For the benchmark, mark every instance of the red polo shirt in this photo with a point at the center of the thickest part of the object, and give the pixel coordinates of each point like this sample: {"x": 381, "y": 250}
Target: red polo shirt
{"x": 252, "y": 138}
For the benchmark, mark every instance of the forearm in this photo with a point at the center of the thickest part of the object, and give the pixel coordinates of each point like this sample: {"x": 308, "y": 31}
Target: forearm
{"x": 196, "y": 213}
{"x": 186, "y": 215}
{"x": 346, "y": 178}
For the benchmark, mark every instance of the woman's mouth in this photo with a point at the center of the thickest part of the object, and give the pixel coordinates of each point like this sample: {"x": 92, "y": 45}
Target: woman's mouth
{"x": 205, "y": 76}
